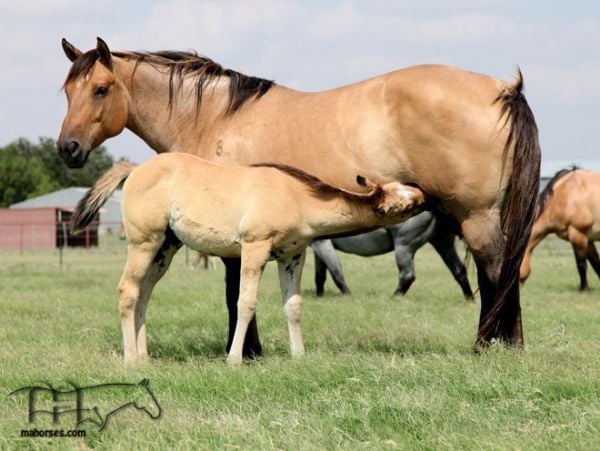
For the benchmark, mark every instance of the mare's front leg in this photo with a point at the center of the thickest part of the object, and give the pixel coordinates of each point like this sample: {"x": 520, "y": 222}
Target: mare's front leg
{"x": 290, "y": 274}
{"x": 252, "y": 347}
{"x": 254, "y": 258}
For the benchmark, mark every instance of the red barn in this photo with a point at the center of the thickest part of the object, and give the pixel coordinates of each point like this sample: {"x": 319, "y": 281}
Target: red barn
{"x": 41, "y": 228}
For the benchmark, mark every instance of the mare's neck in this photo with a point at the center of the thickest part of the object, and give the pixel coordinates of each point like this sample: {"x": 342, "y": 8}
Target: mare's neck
{"x": 164, "y": 127}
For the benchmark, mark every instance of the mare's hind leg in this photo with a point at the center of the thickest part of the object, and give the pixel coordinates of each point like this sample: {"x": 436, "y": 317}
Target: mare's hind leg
{"x": 290, "y": 274}
{"x": 445, "y": 245}
{"x": 593, "y": 258}
{"x": 160, "y": 265}
{"x": 580, "y": 243}
{"x": 500, "y": 317}
{"x": 254, "y": 258}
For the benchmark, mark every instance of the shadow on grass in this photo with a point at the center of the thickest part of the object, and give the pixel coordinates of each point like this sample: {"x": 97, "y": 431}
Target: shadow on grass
{"x": 168, "y": 346}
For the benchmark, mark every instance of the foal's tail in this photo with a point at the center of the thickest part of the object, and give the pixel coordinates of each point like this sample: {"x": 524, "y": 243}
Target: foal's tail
{"x": 519, "y": 210}
{"x": 97, "y": 195}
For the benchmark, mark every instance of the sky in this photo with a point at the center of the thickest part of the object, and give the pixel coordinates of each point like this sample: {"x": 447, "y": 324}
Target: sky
{"x": 315, "y": 45}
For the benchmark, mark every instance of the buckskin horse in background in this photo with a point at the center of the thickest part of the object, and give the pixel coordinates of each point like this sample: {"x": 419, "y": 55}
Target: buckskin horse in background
{"x": 569, "y": 206}
{"x": 467, "y": 139}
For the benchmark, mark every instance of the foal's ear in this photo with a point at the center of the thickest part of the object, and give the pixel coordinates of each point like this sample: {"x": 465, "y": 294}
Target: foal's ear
{"x": 104, "y": 53}
{"x": 72, "y": 52}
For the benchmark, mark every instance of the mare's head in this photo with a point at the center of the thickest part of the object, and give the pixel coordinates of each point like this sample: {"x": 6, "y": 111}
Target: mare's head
{"x": 398, "y": 202}
{"x": 97, "y": 103}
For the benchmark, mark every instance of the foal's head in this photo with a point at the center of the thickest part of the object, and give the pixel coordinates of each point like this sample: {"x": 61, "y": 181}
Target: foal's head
{"x": 398, "y": 202}
{"x": 97, "y": 98}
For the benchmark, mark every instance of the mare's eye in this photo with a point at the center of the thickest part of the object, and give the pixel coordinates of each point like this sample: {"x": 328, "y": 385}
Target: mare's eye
{"x": 100, "y": 91}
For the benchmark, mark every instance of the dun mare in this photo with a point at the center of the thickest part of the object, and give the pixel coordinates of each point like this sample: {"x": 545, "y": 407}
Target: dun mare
{"x": 570, "y": 207}
{"x": 467, "y": 139}
{"x": 261, "y": 213}
{"x": 404, "y": 239}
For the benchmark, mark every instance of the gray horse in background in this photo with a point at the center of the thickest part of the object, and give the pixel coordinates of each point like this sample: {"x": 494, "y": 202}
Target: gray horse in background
{"x": 404, "y": 239}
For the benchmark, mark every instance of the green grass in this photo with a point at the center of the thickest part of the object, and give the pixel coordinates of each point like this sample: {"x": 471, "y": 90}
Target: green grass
{"x": 379, "y": 372}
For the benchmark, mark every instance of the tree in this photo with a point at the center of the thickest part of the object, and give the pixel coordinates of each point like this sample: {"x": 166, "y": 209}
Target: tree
{"x": 28, "y": 170}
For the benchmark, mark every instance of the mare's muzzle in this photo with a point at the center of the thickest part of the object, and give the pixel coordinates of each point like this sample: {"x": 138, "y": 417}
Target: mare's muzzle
{"x": 71, "y": 153}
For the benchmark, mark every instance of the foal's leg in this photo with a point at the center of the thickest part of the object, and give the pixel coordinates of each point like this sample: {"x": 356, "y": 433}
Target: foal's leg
{"x": 252, "y": 346}
{"x": 139, "y": 261}
{"x": 445, "y": 245}
{"x": 290, "y": 274}
{"x": 160, "y": 265}
{"x": 254, "y": 258}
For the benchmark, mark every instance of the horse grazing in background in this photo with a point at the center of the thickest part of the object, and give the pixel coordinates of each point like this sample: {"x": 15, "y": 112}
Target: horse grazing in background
{"x": 570, "y": 207}
{"x": 261, "y": 213}
{"x": 404, "y": 239}
{"x": 466, "y": 139}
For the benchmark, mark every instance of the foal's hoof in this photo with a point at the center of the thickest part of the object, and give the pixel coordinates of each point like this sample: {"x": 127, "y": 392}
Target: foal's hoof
{"x": 234, "y": 361}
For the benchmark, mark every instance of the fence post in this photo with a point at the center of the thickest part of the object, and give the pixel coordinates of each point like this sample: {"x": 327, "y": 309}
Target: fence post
{"x": 21, "y": 238}
{"x": 61, "y": 241}
{"x": 87, "y": 239}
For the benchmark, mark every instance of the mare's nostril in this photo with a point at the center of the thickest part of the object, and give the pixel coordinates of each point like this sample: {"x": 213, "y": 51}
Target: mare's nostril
{"x": 73, "y": 148}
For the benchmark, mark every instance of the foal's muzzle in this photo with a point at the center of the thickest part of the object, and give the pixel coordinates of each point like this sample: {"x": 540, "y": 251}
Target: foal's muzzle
{"x": 71, "y": 153}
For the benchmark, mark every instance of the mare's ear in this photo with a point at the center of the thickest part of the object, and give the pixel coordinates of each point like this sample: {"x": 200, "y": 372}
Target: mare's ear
{"x": 104, "y": 53}
{"x": 71, "y": 51}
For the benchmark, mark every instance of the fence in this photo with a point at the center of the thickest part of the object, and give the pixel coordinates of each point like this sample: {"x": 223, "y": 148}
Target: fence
{"x": 43, "y": 236}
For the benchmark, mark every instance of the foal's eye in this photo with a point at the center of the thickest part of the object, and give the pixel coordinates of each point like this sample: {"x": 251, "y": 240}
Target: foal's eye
{"x": 100, "y": 91}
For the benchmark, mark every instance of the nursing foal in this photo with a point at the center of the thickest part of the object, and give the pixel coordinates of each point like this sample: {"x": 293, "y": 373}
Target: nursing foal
{"x": 261, "y": 213}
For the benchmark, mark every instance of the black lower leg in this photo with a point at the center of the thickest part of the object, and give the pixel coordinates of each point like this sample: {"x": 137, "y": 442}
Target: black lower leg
{"x": 582, "y": 269}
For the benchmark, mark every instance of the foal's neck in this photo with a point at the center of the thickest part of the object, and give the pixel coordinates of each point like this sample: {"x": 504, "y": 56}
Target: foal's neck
{"x": 170, "y": 127}
{"x": 339, "y": 215}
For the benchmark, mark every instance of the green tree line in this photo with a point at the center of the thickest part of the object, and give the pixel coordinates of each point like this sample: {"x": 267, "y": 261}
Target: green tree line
{"x": 28, "y": 170}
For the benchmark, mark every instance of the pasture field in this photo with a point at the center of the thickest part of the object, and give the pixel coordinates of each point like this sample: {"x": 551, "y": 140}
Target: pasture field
{"x": 379, "y": 372}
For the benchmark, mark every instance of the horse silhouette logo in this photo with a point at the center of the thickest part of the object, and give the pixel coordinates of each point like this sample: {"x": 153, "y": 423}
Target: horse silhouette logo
{"x": 94, "y": 404}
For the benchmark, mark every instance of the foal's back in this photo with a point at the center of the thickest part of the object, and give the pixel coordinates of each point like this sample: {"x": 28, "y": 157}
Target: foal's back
{"x": 208, "y": 206}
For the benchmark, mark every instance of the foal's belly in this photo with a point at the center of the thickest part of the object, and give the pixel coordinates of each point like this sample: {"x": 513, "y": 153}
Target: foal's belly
{"x": 206, "y": 238}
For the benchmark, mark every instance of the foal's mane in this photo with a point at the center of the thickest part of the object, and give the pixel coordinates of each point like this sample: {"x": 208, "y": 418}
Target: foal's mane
{"x": 549, "y": 188}
{"x": 181, "y": 64}
{"x": 374, "y": 196}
